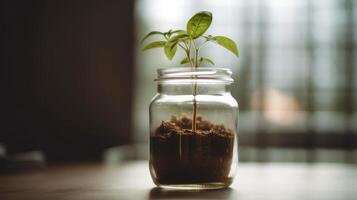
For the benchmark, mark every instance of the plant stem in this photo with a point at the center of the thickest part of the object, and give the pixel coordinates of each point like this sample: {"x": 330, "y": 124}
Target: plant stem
{"x": 194, "y": 90}
{"x": 194, "y": 65}
{"x": 187, "y": 50}
{"x": 196, "y": 54}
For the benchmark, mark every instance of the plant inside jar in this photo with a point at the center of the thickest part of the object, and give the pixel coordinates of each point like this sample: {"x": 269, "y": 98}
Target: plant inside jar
{"x": 183, "y": 156}
{"x": 188, "y": 150}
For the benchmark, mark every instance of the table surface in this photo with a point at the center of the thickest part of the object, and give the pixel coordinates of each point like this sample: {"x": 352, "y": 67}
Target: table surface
{"x": 131, "y": 180}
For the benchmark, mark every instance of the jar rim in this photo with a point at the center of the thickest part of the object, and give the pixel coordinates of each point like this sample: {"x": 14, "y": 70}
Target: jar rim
{"x": 199, "y": 74}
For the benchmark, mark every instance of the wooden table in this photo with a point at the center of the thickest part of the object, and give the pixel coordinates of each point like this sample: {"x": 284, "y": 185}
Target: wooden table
{"x": 131, "y": 180}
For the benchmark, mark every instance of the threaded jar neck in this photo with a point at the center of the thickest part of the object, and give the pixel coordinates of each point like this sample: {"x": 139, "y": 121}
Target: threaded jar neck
{"x": 198, "y": 75}
{"x": 182, "y": 81}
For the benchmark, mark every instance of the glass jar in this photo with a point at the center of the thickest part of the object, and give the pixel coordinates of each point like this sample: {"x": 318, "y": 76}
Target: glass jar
{"x": 203, "y": 156}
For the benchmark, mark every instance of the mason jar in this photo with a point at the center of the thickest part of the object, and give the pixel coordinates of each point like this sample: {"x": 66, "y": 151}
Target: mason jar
{"x": 193, "y": 129}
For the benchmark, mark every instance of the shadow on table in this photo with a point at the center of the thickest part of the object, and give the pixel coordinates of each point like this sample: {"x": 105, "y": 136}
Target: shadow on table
{"x": 159, "y": 193}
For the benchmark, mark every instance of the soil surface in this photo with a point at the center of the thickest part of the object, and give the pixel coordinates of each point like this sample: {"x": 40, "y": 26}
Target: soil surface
{"x": 180, "y": 156}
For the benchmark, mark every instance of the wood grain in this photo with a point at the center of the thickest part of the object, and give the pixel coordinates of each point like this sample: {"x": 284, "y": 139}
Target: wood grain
{"x": 131, "y": 180}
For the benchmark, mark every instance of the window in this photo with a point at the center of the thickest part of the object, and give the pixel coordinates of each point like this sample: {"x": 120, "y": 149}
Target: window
{"x": 295, "y": 78}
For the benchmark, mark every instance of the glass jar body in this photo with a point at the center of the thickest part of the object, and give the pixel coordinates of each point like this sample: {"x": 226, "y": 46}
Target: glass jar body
{"x": 186, "y": 156}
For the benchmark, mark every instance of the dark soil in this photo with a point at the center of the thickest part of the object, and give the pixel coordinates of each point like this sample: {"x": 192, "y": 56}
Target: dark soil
{"x": 180, "y": 156}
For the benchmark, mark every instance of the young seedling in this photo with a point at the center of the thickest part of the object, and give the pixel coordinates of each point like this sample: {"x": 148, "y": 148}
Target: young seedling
{"x": 191, "y": 41}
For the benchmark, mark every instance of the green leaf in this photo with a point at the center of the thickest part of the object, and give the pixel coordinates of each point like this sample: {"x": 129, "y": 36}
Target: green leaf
{"x": 185, "y": 61}
{"x": 180, "y": 36}
{"x": 207, "y": 60}
{"x": 208, "y": 37}
{"x": 151, "y": 34}
{"x": 171, "y": 32}
{"x": 156, "y": 44}
{"x": 170, "y": 50}
{"x": 198, "y": 24}
{"x": 226, "y": 43}
{"x": 167, "y": 34}
{"x": 178, "y": 31}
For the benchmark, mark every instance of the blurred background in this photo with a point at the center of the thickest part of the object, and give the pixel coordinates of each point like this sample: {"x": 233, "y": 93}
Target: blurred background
{"x": 75, "y": 84}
